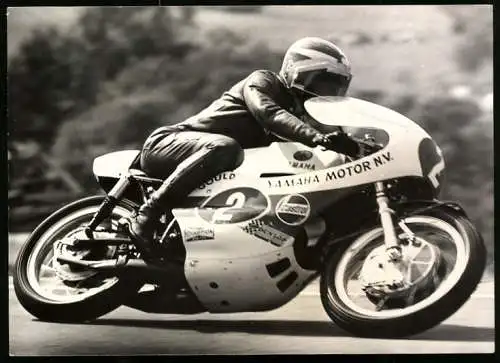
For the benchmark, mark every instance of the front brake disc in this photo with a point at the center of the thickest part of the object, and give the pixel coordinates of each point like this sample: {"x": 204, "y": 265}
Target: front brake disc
{"x": 418, "y": 271}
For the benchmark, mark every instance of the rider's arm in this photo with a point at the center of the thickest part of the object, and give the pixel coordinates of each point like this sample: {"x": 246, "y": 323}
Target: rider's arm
{"x": 260, "y": 91}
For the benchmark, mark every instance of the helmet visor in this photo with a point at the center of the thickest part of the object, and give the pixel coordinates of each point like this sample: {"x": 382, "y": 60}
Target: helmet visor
{"x": 327, "y": 84}
{"x": 323, "y": 83}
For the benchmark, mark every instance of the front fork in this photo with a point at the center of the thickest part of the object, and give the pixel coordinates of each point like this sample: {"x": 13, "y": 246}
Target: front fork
{"x": 390, "y": 238}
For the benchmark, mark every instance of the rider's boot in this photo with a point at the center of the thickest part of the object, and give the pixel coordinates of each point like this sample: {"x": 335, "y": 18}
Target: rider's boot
{"x": 143, "y": 224}
{"x": 184, "y": 178}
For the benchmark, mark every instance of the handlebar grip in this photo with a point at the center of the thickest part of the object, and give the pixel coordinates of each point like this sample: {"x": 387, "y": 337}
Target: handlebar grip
{"x": 368, "y": 143}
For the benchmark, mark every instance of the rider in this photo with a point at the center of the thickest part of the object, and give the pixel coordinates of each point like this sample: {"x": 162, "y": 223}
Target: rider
{"x": 262, "y": 108}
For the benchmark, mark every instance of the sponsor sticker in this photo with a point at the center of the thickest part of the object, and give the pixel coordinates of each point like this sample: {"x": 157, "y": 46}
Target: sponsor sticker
{"x": 302, "y": 155}
{"x": 300, "y": 165}
{"x": 222, "y": 176}
{"x": 198, "y": 234}
{"x": 267, "y": 233}
{"x": 293, "y": 209}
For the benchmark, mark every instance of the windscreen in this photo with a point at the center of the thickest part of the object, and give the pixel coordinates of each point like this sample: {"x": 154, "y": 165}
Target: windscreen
{"x": 353, "y": 112}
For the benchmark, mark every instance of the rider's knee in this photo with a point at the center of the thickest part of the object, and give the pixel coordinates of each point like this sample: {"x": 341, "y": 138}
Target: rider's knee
{"x": 228, "y": 151}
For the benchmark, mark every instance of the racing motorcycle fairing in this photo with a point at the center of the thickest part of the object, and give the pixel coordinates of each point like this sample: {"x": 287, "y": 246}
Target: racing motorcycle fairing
{"x": 406, "y": 139}
{"x": 262, "y": 223}
{"x": 240, "y": 233}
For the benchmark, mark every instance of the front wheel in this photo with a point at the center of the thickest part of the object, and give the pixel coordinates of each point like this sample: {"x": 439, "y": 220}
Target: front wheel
{"x": 457, "y": 272}
{"x": 76, "y": 296}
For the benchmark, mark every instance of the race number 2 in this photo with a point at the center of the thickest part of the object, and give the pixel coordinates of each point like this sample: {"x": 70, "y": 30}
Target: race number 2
{"x": 432, "y": 162}
{"x": 435, "y": 172}
{"x": 234, "y": 205}
{"x": 235, "y": 200}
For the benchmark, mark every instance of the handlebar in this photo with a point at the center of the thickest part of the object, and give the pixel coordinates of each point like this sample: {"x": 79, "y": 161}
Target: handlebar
{"x": 367, "y": 142}
{"x": 346, "y": 143}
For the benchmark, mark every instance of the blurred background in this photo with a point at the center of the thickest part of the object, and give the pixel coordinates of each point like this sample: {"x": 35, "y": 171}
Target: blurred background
{"x": 86, "y": 81}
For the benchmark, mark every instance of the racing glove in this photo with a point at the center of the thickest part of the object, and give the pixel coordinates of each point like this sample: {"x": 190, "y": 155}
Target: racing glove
{"x": 345, "y": 144}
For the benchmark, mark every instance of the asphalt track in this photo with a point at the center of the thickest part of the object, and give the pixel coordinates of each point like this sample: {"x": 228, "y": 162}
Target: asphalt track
{"x": 300, "y": 327}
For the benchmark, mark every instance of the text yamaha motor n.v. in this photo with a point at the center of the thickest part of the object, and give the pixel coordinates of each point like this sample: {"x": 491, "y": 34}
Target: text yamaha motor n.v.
{"x": 253, "y": 238}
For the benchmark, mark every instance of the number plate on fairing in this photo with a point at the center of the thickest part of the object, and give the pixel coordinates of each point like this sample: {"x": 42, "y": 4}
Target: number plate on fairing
{"x": 234, "y": 206}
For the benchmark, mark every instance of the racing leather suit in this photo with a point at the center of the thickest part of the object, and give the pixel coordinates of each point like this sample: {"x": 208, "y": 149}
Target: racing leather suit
{"x": 253, "y": 113}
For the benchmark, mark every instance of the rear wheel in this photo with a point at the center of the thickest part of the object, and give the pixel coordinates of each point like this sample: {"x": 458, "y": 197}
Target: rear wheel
{"x": 49, "y": 293}
{"x": 461, "y": 263}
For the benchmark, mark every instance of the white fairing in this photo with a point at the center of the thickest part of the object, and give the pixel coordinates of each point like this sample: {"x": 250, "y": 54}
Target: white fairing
{"x": 228, "y": 273}
{"x": 278, "y": 158}
{"x": 236, "y": 261}
{"x": 400, "y": 157}
{"x": 226, "y": 265}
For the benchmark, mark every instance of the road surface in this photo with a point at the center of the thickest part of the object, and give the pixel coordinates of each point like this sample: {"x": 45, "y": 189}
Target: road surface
{"x": 300, "y": 327}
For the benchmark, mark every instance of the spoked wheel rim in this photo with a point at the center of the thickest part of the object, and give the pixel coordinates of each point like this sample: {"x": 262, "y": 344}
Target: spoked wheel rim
{"x": 41, "y": 275}
{"x": 456, "y": 255}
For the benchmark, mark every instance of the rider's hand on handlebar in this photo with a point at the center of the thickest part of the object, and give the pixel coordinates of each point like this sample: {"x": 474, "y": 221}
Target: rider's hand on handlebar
{"x": 348, "y": 145}
{"x": 367, "y": 147}
{"x": 339, "y": 142}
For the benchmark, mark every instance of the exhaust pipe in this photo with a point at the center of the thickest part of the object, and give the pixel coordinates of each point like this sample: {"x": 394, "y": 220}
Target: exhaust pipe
{"x": 136, "y": 265}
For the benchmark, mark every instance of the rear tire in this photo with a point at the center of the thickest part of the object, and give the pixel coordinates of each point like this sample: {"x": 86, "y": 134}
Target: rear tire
{"x": 368, "y": 326}
{"x": 83, "y": 310}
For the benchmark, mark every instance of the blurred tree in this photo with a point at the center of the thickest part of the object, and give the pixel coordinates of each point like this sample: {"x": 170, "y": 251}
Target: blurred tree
{"x": 478, "y": 46}
{"x": 117, "y": 37}
{"x": 120, "y": 124}
{"x": 404, "y": 104}
{"x": 40, "y": 85}
{"x": 467, "y": 144}
{"x": 56, "y": 76}
{"x": 474, "y": 23}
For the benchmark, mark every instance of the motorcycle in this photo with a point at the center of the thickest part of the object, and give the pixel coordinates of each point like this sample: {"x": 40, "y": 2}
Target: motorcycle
{"x": 253, "y": 238}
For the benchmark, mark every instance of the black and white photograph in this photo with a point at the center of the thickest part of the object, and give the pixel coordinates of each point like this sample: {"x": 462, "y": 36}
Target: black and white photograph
{"x": 250, "y": 180}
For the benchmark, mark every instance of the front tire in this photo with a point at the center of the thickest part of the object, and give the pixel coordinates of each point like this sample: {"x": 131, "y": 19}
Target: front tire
{"x": 393, "y": 325}
{"x": 79, "y": 309}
